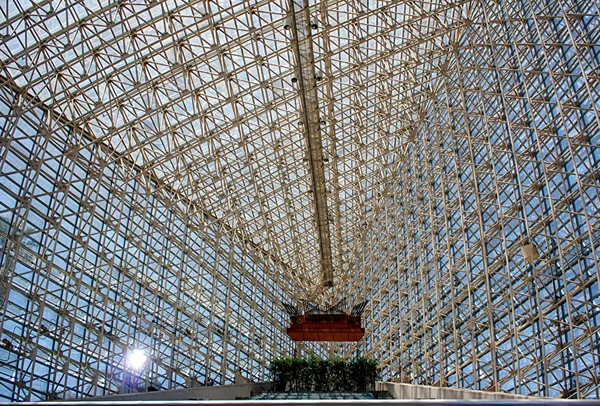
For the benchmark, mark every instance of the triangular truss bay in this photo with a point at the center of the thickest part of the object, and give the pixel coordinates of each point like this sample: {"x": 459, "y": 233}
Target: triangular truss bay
{"x": 154, "y": 152}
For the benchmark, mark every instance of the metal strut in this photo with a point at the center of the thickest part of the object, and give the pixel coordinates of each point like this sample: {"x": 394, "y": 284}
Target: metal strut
{"x": 302, "y": 47}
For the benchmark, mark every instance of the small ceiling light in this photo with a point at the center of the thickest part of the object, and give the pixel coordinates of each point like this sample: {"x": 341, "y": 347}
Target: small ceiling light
{"x": 529, "y": 251}
{"x": 287, "y": 23}
{"x": 136, "y": 359}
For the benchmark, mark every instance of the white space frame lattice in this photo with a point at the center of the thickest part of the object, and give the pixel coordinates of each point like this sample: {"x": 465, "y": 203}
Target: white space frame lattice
{"x": 159, "y": 189}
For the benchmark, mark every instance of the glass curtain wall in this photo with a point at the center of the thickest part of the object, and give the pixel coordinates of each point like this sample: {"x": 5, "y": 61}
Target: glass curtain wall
{"x": 165, "y": 202}
{"x": 507, "y": 155}
{"x": 96, "y": 264}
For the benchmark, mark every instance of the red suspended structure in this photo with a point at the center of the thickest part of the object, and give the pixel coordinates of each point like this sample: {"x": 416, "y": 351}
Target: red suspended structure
{"x": 329, "y": 324}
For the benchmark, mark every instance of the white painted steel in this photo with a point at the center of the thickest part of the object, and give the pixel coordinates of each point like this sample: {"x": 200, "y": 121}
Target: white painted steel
{"x": 156, "y": 192}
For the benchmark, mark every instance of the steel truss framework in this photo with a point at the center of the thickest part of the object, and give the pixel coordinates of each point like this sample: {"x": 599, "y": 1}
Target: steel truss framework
{"x": 156, "y": 189}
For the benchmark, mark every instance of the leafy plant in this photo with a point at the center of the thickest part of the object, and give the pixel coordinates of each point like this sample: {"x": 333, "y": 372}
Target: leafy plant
{"x": 297, "y": 365}
{"x": 339, "y": 375}
{"x": 280, "y": 373}
{"x": 321, "y": 374}
{"x": 314, "y": 374}
{"x": 363, "y": 374}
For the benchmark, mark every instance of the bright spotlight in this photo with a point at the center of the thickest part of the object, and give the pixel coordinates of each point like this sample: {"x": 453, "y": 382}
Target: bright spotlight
{"x": 136, "y": 359}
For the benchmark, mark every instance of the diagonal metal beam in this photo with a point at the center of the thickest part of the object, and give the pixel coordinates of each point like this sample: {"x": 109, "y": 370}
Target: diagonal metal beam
{"x": 302, "y": 47}
{"x": 152, "y": 178}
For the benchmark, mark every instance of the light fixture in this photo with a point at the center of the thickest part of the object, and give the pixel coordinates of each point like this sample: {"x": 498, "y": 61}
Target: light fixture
{"x": 529, "y": 251}
{"x": 136, "y": 358}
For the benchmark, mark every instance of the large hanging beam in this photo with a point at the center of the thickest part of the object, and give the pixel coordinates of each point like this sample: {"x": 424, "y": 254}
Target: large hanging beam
{"x": 302, "y": 47}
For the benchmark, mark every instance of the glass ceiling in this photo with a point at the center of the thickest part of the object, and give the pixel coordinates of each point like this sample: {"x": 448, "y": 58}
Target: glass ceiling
{"x": 200, "y": 96}
{"x": 449, "y": 133}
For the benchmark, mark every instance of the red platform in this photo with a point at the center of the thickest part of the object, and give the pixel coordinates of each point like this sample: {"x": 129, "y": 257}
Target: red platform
{"x": 325, "y": 327}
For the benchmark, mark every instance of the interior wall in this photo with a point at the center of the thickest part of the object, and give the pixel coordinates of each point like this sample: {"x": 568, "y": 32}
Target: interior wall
{"x": 97, "y": 262}
{"x": 506, "y": 154}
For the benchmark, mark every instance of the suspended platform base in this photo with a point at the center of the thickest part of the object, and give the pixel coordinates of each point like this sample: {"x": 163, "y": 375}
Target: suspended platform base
{"x": 325, "y": 327}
